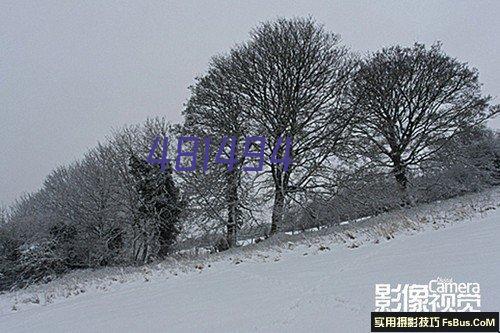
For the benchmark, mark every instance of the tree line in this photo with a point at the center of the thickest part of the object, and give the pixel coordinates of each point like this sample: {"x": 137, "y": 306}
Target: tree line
{"x": 396, "y": 127}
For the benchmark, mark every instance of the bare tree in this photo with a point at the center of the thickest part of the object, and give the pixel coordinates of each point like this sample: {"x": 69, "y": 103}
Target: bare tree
{"x": 214, "y": 111}
{"x": 83, "y": 197}
{"x": 293, "y": 76}
{"x": 410, "y": 101}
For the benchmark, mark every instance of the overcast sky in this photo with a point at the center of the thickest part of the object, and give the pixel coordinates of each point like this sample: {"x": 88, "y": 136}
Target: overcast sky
{"x": 71, "y": 71}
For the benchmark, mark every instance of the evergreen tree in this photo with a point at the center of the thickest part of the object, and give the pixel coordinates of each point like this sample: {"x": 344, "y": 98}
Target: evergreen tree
{"x": 159, "y": 207}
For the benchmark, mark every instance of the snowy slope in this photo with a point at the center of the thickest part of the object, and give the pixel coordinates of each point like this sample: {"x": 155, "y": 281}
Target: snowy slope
{"x": 294, "y": 288}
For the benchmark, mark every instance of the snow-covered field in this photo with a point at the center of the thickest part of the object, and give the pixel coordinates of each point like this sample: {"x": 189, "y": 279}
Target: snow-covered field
{"x": 320, "y": 283}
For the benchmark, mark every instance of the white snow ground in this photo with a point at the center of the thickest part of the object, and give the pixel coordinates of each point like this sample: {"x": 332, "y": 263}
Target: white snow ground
{"x": 295, "y": 287}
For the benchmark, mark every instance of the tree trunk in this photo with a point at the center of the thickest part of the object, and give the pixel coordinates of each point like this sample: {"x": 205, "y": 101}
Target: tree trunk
{"x": 402, "y": 180}
{"x": 231, "y": 235}
{"x": 278, "y": 210}
{"x": 232, "y": 207}
{"x": 400, "y": 175}
{"x": 280, "y": 187}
